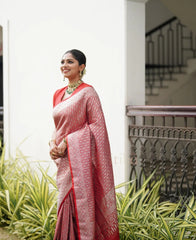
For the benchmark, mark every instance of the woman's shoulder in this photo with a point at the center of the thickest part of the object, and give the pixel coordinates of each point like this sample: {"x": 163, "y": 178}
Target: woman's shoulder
{"x": 60, "y": 90}
{"x": 89, "y": 90}
{"x": 58, "y": 96}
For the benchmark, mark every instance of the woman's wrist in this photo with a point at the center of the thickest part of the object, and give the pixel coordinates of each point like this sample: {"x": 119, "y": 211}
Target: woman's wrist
{"x": 52, "y": 141}
{"x": 64, "y": 141}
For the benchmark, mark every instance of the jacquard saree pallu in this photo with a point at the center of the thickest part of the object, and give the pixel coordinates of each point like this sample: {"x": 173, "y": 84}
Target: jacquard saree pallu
{"x": 86, "y": 203}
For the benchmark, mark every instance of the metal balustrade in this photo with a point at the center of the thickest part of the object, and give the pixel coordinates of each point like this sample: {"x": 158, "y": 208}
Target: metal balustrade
{"x": 168, "y": 46}
{"x": 163, "y": 139}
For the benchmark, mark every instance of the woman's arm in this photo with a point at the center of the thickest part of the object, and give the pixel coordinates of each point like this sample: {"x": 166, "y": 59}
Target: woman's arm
{"x": 53, "y": 146}
{"x": 57, "y": 151}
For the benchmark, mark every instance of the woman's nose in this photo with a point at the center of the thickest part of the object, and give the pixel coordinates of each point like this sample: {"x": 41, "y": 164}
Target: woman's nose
{"x": 64, "y": 65}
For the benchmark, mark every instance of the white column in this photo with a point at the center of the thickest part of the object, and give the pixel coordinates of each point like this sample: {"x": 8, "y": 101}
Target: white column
{"x": 135, "y": 52}
{"x": 135, "y": 62}
{"x": 6, "y": 113}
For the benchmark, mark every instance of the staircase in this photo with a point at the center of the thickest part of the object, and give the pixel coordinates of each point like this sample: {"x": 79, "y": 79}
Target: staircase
{"x": 180, "y": 90}
{"x": 170, "y": 64}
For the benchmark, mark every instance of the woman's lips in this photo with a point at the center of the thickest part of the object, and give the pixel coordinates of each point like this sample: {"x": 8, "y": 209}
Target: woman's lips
{"x": 66, "y": 71}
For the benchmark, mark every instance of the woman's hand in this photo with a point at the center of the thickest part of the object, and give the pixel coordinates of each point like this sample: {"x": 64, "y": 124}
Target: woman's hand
{"x": 53, "y": 150}
{"x": 62, "y": 147}
{"x": 57, "y": 151}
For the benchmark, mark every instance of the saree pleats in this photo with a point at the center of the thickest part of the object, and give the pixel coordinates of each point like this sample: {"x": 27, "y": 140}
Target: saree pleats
{"x": 63, "y": 179}
{"x": 66, "y": 228}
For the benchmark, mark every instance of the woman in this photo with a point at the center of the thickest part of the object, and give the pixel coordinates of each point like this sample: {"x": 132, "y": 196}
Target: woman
{"x": 81, "y": 151}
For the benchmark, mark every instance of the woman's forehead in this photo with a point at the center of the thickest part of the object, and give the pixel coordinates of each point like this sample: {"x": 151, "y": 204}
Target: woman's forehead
{"x": 68, "y": 56}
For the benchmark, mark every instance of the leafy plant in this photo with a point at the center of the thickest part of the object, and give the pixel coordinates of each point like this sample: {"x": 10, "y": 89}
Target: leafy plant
{"x": 142, "y": 216}
{"x": 28, "y": 206}
{"x": 27, "y": 199}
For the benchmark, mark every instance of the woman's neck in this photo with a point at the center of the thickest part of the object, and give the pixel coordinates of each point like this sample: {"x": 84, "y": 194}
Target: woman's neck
{"x": 73, "y": 81}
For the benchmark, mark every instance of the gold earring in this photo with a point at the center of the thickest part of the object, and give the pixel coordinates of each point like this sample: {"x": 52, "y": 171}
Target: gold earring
{"x": 81, "y": 74}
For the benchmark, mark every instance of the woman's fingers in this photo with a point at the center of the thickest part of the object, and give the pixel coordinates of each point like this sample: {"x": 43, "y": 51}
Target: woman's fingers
{"x": 62, "y": 147}
{"x": 54, "y": 152}
{"x": 61, "y": 152}
{"x": 57, "y": 152}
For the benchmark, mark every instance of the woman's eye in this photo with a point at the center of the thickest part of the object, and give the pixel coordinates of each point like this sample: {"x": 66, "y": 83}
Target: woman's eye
{"x": 63, "y": 61}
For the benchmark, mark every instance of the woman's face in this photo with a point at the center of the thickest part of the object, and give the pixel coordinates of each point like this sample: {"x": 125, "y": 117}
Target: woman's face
{"x": 70, "y": 67}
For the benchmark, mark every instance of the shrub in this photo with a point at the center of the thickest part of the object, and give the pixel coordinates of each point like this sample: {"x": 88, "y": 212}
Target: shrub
{"x": 28, "y": 206}
{"x": 141, "y": 216}
{"x": 27, "y": 201}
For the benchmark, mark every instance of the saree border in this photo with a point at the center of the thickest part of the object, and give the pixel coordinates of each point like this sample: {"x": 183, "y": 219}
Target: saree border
{"x": 74, "y": 195}
{"x": 63, "y": 200}
{"x": 58, "y": 99}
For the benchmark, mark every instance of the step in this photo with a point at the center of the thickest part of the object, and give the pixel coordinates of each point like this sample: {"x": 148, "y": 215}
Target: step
{"x": 167, "y": 78}
{"x": 156, "y": 94}
{"x": 191, "y": 65}
{"x": 164, "y": 70}
{"x": 166, "y": 84}
{"x": 153, "y": 91}
{"x": 164, "y": 92}
{"x": 157, "y": 84}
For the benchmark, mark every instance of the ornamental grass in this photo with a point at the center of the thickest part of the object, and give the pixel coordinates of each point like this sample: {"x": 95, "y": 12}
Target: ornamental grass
{"x": 142, "y": 216}
{"x": 28, "y": 206}
{"x": 27, "y": 199}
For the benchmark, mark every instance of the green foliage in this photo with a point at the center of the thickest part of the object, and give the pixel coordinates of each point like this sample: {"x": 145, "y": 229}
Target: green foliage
{"x": 142, "y": 216}
{"x": 27, "y": 199}
{"x": 28, "y": 206}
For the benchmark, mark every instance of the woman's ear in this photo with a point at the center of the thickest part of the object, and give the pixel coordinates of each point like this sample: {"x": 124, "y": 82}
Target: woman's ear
{"x": 82, "y": 67}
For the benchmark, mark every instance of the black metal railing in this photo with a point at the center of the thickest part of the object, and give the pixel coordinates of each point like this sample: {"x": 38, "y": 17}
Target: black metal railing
{"x": 163, "y": 139}
{"x": 168, "y": 46}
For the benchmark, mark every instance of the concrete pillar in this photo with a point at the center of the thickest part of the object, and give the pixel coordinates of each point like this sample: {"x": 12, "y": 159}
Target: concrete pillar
{"x": 135, "y": 62}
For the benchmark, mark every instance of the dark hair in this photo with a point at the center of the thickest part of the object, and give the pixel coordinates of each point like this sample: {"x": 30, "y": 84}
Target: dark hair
{"x": 78, "y": 55}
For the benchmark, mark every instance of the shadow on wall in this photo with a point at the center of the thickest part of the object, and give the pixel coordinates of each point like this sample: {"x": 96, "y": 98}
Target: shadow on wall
{"x": 185, "y": 95}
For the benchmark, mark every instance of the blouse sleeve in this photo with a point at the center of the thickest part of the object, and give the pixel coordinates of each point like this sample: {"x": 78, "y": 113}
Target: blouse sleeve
{"x": 54, "y": 98}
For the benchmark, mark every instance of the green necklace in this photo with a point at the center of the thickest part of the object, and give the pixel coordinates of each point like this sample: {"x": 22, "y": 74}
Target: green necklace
{"x": 72, "y": 87}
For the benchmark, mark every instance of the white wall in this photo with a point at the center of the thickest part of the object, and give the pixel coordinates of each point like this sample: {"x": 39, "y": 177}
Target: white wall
{"x": 39, "y": 33}
{"x": 135, "y": 61}
{"x": 1, "y": 41}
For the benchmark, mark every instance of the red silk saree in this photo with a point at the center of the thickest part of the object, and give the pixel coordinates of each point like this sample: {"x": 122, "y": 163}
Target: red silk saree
{"x": 87, "y": 203}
